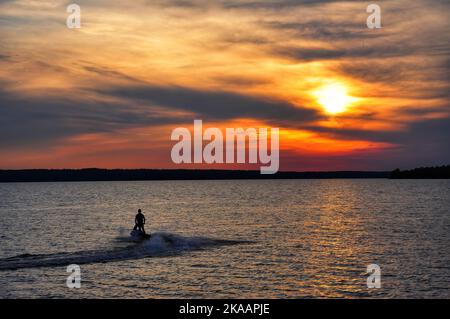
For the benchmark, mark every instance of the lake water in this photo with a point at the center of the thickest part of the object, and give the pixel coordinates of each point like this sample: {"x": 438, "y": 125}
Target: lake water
{"x": 231, "y": 239}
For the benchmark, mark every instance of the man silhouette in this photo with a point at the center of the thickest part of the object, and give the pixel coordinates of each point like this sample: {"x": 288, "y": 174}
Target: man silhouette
{"x": 139, "y": 221}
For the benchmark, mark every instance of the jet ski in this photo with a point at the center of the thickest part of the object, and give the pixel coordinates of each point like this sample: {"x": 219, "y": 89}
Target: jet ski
{"x": 137, "y": 234}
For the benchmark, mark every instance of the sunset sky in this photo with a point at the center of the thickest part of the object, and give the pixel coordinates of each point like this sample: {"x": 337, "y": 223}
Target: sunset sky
{"x": 109, "y": 94}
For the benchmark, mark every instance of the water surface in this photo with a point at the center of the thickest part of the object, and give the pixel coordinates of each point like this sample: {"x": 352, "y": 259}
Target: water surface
{"x": 232, "y": 239}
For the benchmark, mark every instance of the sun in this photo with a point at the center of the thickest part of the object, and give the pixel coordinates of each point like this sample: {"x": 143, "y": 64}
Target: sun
{"x": 333, "y": 98}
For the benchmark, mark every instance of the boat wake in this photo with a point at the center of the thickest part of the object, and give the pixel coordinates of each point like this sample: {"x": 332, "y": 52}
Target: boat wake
{"x": 159, "y": 245}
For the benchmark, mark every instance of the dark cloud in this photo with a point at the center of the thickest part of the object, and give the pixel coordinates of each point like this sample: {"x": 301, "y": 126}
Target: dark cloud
{"x": 423, "y": 143}
{"x": 241, "y": 4}
{"x": 417, "y": 79}
{"x": 428, "y": 129}
{"x": 316, "y": 54}
{"x": 326, "y": 29}
{"x": 431, "y": 135}
{"x": 374, "y": 71}
{"x": 213, "y": 105}
{"x": 109, "y": 73}
{"x": 276, "y": 5}
{"x": 34, "y": 121}
{"x": 38, "y": 121}
{"x": 241, "y": 81}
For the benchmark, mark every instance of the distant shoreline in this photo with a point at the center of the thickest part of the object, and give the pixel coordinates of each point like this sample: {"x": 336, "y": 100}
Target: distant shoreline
{"x": 98, "y": 174}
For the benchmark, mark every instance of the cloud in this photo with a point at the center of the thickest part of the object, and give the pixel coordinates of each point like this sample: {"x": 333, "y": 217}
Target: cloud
{"x": 423, "y": 143}
{"x": 35, "y": 121}
{"x": 242, "y": 80}
{"x": 30, "y": 121}
{"x": 324, "y": 29}
{"x": 212, "y": 104}
{"x": 108, "y": 73}
{"x": 378, "y": 52}
{"x": 277, "y": 5}
{"x": 436, "y": 129}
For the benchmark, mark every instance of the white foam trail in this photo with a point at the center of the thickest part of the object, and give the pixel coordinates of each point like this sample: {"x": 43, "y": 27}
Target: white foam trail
{"x": 160, "y": 244}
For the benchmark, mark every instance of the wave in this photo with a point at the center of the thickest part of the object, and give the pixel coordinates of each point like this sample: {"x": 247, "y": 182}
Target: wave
{"x": 159, "y": 245}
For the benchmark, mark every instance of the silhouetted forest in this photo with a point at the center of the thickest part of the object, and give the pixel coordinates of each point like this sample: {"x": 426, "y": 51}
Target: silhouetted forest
{"x": 423, "y": 172}
{"x": 94, "y": 174}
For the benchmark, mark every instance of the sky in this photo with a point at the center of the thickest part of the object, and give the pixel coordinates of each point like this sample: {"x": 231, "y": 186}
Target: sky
{"x": 109, "y": 94}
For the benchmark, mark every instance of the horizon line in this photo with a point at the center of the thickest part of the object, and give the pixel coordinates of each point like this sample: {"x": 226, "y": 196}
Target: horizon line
{"x": 190, "y": 169}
